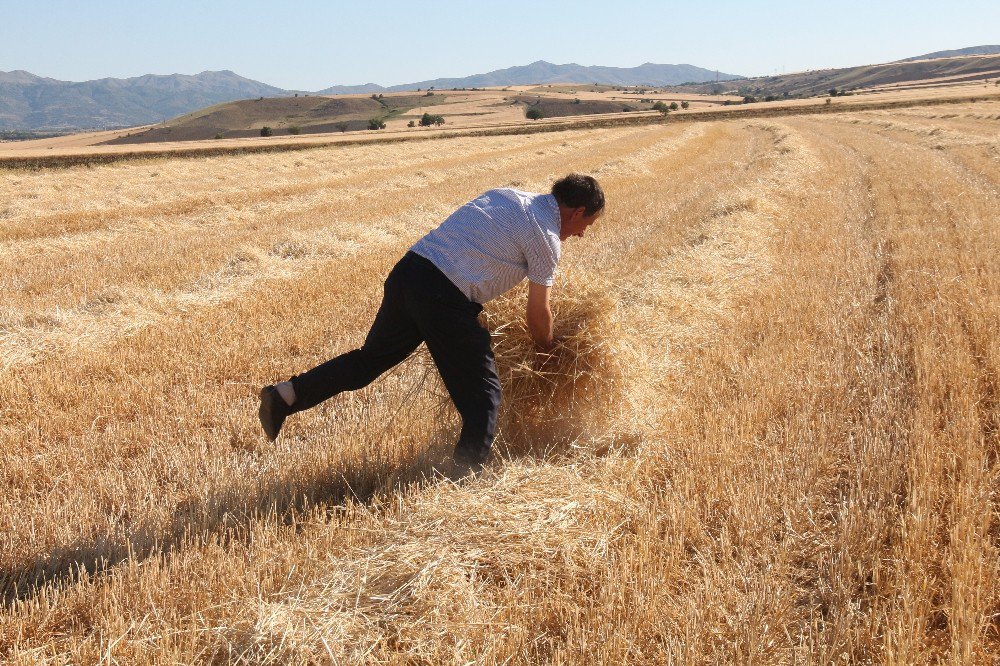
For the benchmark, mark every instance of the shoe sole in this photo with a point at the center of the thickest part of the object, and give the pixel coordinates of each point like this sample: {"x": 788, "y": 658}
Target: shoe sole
{"x": 265, "y": 413}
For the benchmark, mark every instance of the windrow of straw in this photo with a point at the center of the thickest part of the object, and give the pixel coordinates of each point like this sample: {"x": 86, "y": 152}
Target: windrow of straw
{"x": 569, "y": 395}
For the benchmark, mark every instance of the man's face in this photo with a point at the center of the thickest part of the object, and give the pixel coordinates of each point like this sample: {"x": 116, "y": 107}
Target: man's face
{"x": 578, "y": 223}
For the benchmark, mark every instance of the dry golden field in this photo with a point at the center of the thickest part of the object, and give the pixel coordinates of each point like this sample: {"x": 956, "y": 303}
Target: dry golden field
{"x": 783, "y": 445}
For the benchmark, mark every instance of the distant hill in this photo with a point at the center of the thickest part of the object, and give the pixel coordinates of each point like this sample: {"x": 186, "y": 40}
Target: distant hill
{"x": 29, "y": 102}
{"x": 308, "y": 113}
{"x": 363, "y": 89}
{"x": 312, "y": 114}
{"x": 34, "y": 103}
{"x": 970, "y": 51}
{"x": 819, "y": 81}
{"x": 648, "y": 74}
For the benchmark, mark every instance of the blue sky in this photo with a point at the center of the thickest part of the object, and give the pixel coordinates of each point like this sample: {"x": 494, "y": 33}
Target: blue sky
{"x": 309, "y": 45}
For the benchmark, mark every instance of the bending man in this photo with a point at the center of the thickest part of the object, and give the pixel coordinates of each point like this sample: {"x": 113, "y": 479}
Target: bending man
{"x": 435, "y": 294}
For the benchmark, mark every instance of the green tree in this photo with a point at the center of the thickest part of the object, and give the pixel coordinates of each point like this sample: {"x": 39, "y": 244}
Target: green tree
{"x": 294, "y": 129}
{"x": 266, "y": 131}
{"x": 376, "y": 124}
{"x": 673, "y": 106}
{"x": 534, "y": 113}
{"x": 662, "y": 107}
{"x": 685, "y": 104}
{"x": 429, "y": 119}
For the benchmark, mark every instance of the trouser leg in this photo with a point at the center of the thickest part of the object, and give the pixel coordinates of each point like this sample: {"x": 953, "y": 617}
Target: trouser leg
{"x": 393, "y": 337}
{"x": 469, "y": 373}
{"x": 461, "y": 349}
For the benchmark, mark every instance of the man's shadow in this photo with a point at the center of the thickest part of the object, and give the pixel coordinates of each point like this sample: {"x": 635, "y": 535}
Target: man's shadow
{"x": 227, "y": 515}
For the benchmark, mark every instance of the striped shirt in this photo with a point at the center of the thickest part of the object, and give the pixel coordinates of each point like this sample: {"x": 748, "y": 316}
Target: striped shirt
{"x": 493, "y": 242}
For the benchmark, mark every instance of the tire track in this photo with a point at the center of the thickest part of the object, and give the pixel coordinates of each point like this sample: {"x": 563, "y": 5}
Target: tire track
{"x": 937, "y": 222}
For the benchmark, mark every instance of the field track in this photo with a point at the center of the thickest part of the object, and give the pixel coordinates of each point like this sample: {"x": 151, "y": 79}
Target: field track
{"x": 798, "y": 460}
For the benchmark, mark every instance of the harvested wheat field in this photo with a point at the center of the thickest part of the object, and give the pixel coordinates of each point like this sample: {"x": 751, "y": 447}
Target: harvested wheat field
{"x": 771, "y": 436}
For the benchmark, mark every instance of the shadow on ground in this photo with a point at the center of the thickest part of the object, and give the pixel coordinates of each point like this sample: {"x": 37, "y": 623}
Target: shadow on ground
{"x": 228, "y": 515}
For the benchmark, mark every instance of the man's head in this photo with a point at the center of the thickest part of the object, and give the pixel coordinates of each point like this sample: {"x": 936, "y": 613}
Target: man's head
{"x": 581, "y": 202}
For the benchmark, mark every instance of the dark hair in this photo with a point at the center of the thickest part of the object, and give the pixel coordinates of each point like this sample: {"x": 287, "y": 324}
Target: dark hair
{"x": 576, "y": 190}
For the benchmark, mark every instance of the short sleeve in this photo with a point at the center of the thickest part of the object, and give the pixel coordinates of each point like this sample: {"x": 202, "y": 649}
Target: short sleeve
{"x": 542, "y": 254}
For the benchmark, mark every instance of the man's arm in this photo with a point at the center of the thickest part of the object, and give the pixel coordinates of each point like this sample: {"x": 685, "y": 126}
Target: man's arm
{"x": 539, "y": 316}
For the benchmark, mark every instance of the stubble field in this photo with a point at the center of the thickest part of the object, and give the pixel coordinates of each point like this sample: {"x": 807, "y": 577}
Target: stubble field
{"x": 787, "y": 451}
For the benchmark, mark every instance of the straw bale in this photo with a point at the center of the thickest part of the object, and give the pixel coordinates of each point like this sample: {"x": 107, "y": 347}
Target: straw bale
{"x": 570, "y": 395}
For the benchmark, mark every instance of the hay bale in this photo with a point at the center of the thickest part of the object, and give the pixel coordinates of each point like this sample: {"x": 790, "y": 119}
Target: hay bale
{"x": 570, "y": 395}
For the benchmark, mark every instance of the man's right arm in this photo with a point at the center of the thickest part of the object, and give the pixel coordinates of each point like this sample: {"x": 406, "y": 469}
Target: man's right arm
{"x": 539, "y": 316}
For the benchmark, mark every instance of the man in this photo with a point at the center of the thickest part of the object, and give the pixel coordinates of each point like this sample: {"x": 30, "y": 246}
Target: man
{"x": 435, "y": 294}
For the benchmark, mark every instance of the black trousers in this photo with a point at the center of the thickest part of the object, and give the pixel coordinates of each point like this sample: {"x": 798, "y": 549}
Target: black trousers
{"x": 421, "y": 304}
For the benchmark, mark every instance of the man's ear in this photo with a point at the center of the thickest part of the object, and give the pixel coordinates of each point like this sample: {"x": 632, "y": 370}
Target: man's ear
{"x": 579, "y": 213}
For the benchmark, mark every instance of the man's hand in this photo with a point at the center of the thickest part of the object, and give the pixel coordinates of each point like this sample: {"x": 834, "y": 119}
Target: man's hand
{"x": 539, "y": 316}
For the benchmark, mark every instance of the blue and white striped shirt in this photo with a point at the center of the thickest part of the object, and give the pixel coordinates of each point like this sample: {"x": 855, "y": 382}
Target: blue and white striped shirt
{"x": 490, "y": 244}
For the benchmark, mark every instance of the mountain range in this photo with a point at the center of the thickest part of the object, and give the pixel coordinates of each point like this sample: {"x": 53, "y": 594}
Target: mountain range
{"x": 541, "y": 72}
{"x": 35, "y": 103}
{"x": 29, "y": 102}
